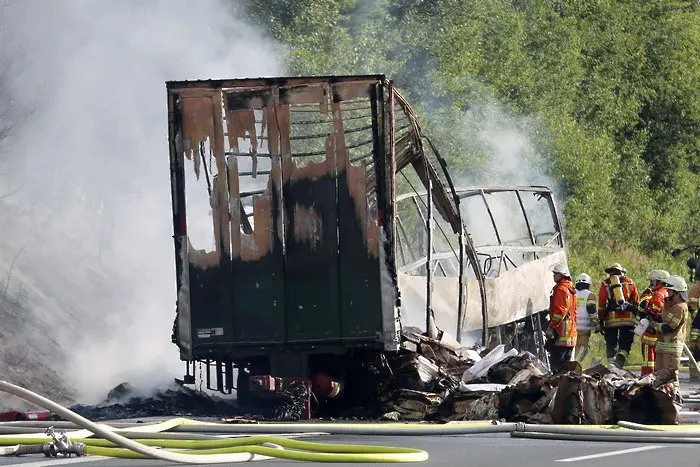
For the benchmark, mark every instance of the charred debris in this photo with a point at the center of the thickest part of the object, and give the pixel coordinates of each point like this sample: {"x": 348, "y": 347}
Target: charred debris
{"x": 429, "y": 380}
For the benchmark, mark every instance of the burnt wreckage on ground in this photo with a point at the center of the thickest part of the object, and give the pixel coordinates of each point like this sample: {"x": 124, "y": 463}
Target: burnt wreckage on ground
{"x": 314, "y": 222}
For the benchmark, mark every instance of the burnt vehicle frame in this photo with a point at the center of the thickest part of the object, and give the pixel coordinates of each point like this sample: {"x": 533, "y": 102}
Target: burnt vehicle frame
{"x": 537, "y": 244}
{"x": 303, "y": 271}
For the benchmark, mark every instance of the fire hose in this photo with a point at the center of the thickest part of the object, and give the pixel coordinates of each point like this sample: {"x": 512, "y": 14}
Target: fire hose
{"x": 198, "y": 448}
{"x": 205, "y": 451}
{"x": 573, "y": 433}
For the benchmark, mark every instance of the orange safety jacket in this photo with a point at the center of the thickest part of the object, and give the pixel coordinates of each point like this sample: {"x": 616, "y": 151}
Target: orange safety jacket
{"x": 609, "y": 316}
{"x": 562, "y": 313}
{"x": 655, "y": 299}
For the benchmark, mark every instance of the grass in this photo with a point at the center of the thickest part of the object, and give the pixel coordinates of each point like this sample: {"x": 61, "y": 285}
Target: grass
{"x": 596, "y": 351}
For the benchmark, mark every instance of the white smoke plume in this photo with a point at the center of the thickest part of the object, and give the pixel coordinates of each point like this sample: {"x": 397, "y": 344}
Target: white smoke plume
{"x": 503, "y": 149}
{"x": 91, "y": 170}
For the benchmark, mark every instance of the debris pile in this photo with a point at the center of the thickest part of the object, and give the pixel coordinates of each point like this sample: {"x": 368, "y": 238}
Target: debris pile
{"x": 441, "y": 381}
{"x": 290, "y": 403}
{"x": 434, "y": 380}
{"x": 124, "y": 402}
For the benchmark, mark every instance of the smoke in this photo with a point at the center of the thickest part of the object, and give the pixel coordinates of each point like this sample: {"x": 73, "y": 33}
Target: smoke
{"x": 501, "y": 148}
{"x": 92, "y": 172}
{"x": 505, "y": 151}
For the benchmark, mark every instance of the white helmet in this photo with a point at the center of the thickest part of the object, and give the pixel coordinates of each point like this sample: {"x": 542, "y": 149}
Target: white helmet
{"x": 561, "y": 268}
{"x": 658, "y": 275}
{"x": 583, "y": 278}
{"x": 678, "y": 284}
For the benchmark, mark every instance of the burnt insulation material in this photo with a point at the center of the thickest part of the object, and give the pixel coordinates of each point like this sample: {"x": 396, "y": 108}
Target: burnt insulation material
{"x": 175, "y": 400}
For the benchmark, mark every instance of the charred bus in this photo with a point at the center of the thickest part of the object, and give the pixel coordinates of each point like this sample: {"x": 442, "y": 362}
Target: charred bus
{"x": 313, "y": 220}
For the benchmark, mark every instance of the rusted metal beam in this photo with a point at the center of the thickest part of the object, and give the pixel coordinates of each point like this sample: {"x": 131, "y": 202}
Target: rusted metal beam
{"x": 249, "y": 83}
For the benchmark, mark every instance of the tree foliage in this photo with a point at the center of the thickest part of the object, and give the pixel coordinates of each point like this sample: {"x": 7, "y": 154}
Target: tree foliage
{"x": 613, "y": 83}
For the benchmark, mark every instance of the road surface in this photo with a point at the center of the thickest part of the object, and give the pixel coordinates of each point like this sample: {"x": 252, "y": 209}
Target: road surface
{"x": 487, "y": 450}
{"x": 481, "y": 450}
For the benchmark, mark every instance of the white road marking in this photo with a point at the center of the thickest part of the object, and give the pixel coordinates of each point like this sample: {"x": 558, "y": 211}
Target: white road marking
{"x": 611, "y": 453}
{"x": 71, "y": 460}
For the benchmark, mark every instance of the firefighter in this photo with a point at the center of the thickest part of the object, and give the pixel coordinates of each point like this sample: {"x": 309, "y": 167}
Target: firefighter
{"x": 561, "y": 332}
{"x": 693, "y": 305}
{"x": 670, "y": 325}
{"x": 651, "y": 303}
{"x": 586, "y": 321}
{"x": 617, "y": 299}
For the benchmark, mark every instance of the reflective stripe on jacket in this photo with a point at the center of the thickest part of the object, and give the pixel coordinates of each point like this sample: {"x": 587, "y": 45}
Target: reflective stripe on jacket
{"x": 673, "y": 315}
{"x": 562, "y": 313}
{"x": 607, "y": 314}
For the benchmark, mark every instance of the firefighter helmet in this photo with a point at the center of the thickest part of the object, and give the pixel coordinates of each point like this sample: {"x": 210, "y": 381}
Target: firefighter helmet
{"x": 676, "y": 283}
{"x": 561, "y": 268}
{"x": 615, "y": 267}
{"x": 658, "y": 275}
{"x": 583, "y": 278}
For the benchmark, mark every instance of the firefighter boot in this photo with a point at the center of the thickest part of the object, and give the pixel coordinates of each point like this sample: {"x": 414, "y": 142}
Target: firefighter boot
{"x": 620, "y": 359}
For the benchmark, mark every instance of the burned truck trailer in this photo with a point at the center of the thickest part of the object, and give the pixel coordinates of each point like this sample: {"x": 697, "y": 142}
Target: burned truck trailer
{"x": 312, "y": 221}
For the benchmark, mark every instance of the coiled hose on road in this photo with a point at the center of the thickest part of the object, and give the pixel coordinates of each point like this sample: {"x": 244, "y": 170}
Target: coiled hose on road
{"x": 197, "y": 446}
{"x": 223, "y": 451}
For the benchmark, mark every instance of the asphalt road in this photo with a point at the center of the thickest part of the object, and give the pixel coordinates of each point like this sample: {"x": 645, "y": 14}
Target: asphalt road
{"x": 471, "y": 450}
{"x": 487, "y": 450}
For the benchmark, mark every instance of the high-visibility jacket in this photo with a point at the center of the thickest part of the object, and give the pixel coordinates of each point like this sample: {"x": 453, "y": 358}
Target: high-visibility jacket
{"x": 652, "y": 301}
{"x": 673, "y": 315}
{"x": 562, "y": 313}
{"x": 608, "y": 314}
{"x": 583, "y": 320}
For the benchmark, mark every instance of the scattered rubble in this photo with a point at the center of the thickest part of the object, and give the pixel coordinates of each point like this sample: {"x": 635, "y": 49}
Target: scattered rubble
{"x": 175, "y": 400}
{"x": 442, "y": 382}
{"x": 434, "y": 380}
{"x": 291, "y": 403}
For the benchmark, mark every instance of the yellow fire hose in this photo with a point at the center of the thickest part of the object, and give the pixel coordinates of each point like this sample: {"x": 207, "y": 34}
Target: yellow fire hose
{"x": 226, "y": 451}
{"x": 196, "y": 445}
{"x": 264, "y": 446}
